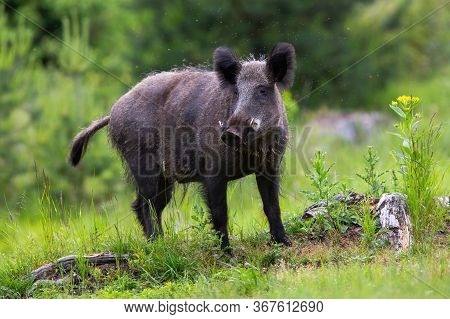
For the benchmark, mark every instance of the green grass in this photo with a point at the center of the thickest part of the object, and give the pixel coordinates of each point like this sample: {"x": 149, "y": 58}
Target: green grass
{"x": 189, "y": 264}
{"x": 411, "y": 279}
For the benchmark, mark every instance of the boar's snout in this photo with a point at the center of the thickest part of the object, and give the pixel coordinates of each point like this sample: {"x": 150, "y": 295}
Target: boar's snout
{"x": 240, "y": 133}
{"x": 232, "y": 136}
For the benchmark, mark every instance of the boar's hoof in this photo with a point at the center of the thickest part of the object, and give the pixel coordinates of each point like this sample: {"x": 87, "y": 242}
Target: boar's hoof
{"x": 283, "y": 240}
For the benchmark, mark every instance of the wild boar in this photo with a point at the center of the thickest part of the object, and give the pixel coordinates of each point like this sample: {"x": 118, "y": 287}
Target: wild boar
{"x": 203, "y": 126}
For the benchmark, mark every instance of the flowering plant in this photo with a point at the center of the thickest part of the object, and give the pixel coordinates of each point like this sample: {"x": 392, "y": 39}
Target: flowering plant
{"x": 406, "y": 106}
{"x": 418, "y": 166}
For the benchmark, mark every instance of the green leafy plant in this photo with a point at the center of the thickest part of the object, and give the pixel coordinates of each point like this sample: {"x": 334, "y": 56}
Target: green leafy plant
{"x": 324, "y": 189}
{"x": 203, "y": 231}
{"x": 340, "y": 217}
{"x": 336, "y": 216}
{"x": 201, "y": 218}
{"x": 369, "y": 224}
{"x": 296, "y": 225}
{"x": 372, "y": 177}
{"x": 417, "y": 164}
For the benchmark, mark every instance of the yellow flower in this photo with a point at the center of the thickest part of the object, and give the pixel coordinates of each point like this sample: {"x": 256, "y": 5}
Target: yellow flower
{"x": 405, "y": 99}
{"x": 408, "y": 102}
{"x": 394, "y": 103}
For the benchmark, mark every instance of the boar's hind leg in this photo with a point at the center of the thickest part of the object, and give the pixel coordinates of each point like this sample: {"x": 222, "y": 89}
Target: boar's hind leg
{"x": 268, "y": 187}
{"x": 152, "y": 196}
{"x": 216, "y": 198}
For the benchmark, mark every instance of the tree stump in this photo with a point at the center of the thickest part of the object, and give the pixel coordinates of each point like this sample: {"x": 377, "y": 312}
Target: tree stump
{"x": 444, "y": 201}
{"x": 390, "y": 210}
{"x": 393, "y": 214}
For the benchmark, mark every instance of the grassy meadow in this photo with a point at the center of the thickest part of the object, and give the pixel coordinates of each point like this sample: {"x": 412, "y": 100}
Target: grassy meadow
{"x": 49, "y": 210}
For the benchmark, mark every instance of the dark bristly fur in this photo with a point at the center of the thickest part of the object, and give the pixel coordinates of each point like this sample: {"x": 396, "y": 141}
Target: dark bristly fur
{"x": 201, "y": 126}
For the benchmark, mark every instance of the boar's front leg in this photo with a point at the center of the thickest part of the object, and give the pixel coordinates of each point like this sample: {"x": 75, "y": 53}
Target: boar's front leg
{"x": 216, "y": 198}
{"x": 268, "y": 187}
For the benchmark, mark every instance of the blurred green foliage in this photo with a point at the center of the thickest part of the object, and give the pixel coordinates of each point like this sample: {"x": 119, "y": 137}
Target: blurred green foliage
{"x": 60, "y": 62}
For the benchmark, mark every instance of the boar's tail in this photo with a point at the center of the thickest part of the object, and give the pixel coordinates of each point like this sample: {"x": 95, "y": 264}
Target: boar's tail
{"x": 80, "y": 142}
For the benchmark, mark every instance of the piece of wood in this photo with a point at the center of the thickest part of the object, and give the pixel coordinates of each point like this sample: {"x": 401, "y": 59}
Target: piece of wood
{"x": 393, "y": 215}
{"x": 59, "y": 268}
{"x": 391, "y": 211}
{"x": 351, "y": 199}
{"x": 444, "y": 201}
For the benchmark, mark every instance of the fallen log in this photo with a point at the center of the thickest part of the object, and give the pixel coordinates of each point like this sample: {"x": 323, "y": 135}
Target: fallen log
{"x": 351, "y": 199}
{"x": 60, "y": 268}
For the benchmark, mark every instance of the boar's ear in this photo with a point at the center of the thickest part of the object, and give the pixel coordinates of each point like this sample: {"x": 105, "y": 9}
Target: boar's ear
{"x": 226, "y": 65}
{"x": 280, "y": 66}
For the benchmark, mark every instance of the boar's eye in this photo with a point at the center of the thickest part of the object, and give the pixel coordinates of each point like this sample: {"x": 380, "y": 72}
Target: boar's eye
{"x": 236, "y": 92}
{"x": 262, "y": 91}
